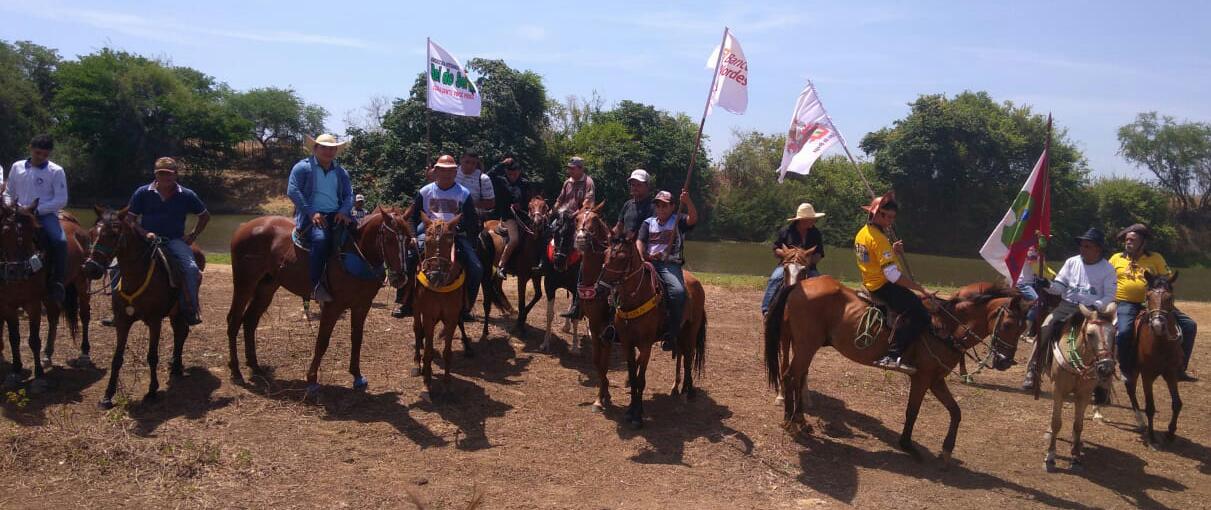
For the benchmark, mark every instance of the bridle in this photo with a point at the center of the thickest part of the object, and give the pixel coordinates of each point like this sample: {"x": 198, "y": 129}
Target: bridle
{"x": 397, "y": 277}
{"x": 21, "y": 268}
{"x": 435, "y": 263}
{"x": 1160, "y": 317}
{"x": 561, "y": 239}
{"x": 108, "y": 221}
{"x": 631, "y": 270}
{"x": 592, "y": 233}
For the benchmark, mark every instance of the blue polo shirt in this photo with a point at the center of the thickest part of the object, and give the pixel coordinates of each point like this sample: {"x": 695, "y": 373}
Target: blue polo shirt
{"x": 165, "y": 218}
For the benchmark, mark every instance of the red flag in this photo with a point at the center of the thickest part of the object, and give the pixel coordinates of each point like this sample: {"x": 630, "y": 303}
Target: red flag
{"x": 1026, "y": 224}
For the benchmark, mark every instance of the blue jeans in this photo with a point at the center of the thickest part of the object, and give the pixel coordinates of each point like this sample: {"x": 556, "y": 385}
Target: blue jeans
{"x": 775, "y": 282}
{"x": 56, "y": 245}
{"x": 180, "y": 251}
{"x": 674, "y": 287}
{"x": 1031, "y": 296}
{"x": 321, "y": 248}
{"x": 467, "y": 256}
{"x": 1126, "y": 329}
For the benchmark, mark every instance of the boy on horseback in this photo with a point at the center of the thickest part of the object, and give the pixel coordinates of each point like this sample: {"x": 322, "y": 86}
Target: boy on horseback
{"x": 443, "y": 199}
{"x": 39, "y": 178}
{"x": 800, "y": 233}
{"x": 1086, "y": 279}
{"x": 878, "y": 261}
{"x": 661, "y": 242}
{"x": 512, "y": 195}
{"x": 1130, "y": 265}
{"x": 162, "y": 207}
{"x": 323, "y": 197}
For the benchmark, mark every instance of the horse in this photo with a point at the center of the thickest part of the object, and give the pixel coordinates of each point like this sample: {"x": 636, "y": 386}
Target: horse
{"x": 794, "y": 262}
{"x": 264, "y": 257}
{"x": 488, "y": 248}
{"x": 145, "y": 292}
{"x": 821, "y": 311}
{"x": 23, "y": 286}
{"x": 993, "y": 311}
{"x": 439, "y": 297}
{"x": 1072, "y": 373}
{"x": 1158, "y": 346}
{"x": 592, "y": 241}
{"x": 562, "y": 271}
{"x": 1029, "y": 329}
{"x": 527, "y": 255}
{"x": 637, "y": 289}
{"x": 77, "y": 303}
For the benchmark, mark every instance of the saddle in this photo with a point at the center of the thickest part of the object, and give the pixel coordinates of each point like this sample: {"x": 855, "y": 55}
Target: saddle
{"x": 874, "y": 319}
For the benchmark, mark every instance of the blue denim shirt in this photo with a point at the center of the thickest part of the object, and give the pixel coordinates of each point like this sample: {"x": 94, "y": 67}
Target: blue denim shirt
{"x": 302, "y": 186}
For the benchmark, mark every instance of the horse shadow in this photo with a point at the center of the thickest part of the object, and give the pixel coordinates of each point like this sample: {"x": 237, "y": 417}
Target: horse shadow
{"x": 344, "y": 403}
{"x": 67, "y": 386}
{"x": 190, "y": 397}
{"x": 467, "y": 406}
{"x": 495, "y": 361}
{"x": 671, "y": 422}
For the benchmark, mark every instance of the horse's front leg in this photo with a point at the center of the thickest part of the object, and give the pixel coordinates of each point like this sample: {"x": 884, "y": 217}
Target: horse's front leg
{"x": 180, "y": 332}
{"x": 1176, "y": 399}
{"x": 1084, "y": 396}
{"x": 641, "y": 370}
{"x": 53, "y": 312}
{"x": 1059, "y": 388}
{"x": 35, "y": 344}
{"x": 1135, "y": 404}
{"x": 601, "y": 358}
{"x": 920, "y": 384}
{"x": 15, "y": 375}
{"x": 122, "y": 325}
{"x": 418, "y": 343}
{"x": 357, "y": 329}
{"x": 154, "y": 328}
{"x": 942, "y": 392}
{"x": 1149, "y": 410}
{"x": 329, "y": 314}
{"x": 546, "y": 339}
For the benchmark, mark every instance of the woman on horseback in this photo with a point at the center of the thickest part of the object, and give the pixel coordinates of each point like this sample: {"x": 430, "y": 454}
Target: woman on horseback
{"x": 661, "y": 242}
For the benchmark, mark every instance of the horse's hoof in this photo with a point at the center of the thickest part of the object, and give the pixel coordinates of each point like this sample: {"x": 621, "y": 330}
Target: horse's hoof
{"x": 598, "y": 407}
{"x": 689, "y": 394}
{"x": 635, "y": 423}
{"x": 1049, "y": 466}
{"x": 468, "y": 352}
{"x": 177, "y": 373}
{"x": 360, "y": 384}
{"x": 106, "y": 404}
{"x": 38, "y": 385}
{"x": 83, "y": 361}
{"x": 237, "y": 377}
{"x": 1076, "y": 465}
{"x": 415, "y": 372}
{"x": 945, "y": 459}
{"x": 967, "y": 379}
{"x": 779, "y": 400}
{"x": 47, "y": 362}
{"x": 910, "y": 449}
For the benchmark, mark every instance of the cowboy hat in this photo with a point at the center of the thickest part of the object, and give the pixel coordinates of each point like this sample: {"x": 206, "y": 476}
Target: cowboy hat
{"x": 1138, "y": 228}
{"x": 806, "y": 212}
{"x": 1094, "y": 236}
{"x": 446, "y": 161}
{"x": 878, "y": 202}
{"x": 327, "y": 140}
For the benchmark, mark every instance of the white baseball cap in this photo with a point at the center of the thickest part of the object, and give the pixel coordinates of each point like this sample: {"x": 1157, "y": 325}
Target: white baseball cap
{"x": 640, "y": 175}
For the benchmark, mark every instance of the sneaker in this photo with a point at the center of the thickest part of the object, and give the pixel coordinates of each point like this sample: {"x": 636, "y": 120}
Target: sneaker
{"x": 892, "y": 363}
{"x": 902, "y": 366}
{"x": 108, "y": 322}
{"x": 321, "y": 294}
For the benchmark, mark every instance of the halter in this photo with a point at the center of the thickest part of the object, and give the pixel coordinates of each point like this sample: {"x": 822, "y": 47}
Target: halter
{"x": 21, "y": 268}
{"x": 445, "y": 265}
{"x": 400, "y": 276}
{"x": 109, "y": 253}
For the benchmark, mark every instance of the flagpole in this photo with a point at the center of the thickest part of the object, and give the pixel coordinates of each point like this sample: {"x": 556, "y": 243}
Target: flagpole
{"x": 428, "y": 112}
{"x": 1038, "y": 241}
{"x": 689, "y": 172}
{"x": 841, "y": 138}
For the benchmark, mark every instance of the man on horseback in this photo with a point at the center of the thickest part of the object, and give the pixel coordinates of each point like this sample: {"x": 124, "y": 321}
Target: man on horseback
{"x": 576, "y": 190}
{"x": 162, "y": 207}
{"x": 661, "y": 242}
{"x": 323, "y": 197}
{"x": 1086, "y": 279}
{"x": 511, "y": 199}
{"x": 443, "y": 199}
{"x": 639, "y": 208}
{"x": 478, "y": 183}
{"x": 1130, "y": 265}
{"x": 800, "y": 233}
{"x": 878, "y": 261}
{"x": 359, "y": 208}
{"x": 39, "y": 178}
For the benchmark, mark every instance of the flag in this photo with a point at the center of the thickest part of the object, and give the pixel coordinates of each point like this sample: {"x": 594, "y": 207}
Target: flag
{"x": 1026, "y": 223}
{"x": 450, "y": 87}
{"x": 731, "y": 77}
{"x": 811, "y": 133}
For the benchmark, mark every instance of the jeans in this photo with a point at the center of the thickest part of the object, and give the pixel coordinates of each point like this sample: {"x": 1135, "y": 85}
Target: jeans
{"x": 775, "y": 282}
{"x": 464, "y": 249}
{"x": 674, "y": 286}
{"x": 321, "y": 248}
{"x": 908, "y": 305}
{"x": 56, "y": 246}
{"x": 180, "y": 251}
{"x": 1124, "y": 338}
{"x": 1031, "y": 295}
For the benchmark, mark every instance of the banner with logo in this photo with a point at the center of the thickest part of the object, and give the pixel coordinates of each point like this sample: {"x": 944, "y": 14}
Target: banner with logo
{"x": 731, "y": 84}
{"x": 1027, "y": 221}
{"x": 811, "y": 133}
{"x": 450, "y": 87}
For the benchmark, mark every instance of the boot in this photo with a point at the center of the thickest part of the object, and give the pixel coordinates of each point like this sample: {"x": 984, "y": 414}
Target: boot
{"x": 321, "y": 295}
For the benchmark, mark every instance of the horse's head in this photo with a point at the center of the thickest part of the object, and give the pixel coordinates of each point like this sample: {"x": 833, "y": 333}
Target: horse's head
{"x": 108, "y": 233}
{"x": 17, "y": 231}
{"x": 563, "y": 230}
{"x": 393, "y": 235}
{"x": 592, "y": 233}
{"x": 540, "y": 214}
{"x": 990, "y": 314}
{"x": 1158, "y": 302}
{"x": 1098, "y": 332}
{"x": 438, "y": 262}
{"x": 794, "y": 262}
{"x": 621, "y": 259}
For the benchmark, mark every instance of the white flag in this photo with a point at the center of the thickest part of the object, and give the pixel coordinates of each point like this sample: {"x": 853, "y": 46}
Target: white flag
{"x": 450, "y": 87}
{"x": 811, "y": 133}
{"x": 731, "y": 84}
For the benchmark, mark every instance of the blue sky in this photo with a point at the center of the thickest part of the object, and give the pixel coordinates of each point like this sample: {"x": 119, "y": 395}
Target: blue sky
{"x": 1095, "y": 65}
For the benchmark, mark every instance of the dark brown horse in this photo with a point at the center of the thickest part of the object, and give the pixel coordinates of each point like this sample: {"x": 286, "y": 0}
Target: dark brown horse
{"x": 22, "y": 287}
{"x": 821, "y": 311}
{"x": 990, "y": 312}
{"x": 527, "y": 255}
{"x": 77, "y": 303}
{"x": 1158, "y": 346}
{"x": 636, "y": 288}
{"x": 145, "y": 293}
{"x": 440, "y": 295}
{"x": 1028, "y": 329}
{"x": 264, "y": 257}
{"x": 488, "y": 248}
{"x": 562, "y": 268}
{"x": 592, "y": 241}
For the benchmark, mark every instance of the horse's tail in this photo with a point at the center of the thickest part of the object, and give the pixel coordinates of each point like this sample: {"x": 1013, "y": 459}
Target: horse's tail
{"x": 700, "y": 348}
{"x": 773, "y": 335}
{"x": 492, "y": 286}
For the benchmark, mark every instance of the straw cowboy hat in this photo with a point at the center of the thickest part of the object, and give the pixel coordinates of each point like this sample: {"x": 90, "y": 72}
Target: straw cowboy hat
{"x": 806, "y": 212}
{"x": 327, "y": 140}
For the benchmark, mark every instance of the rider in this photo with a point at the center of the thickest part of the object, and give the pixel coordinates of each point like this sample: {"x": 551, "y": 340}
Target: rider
{"x": 801, "y": 233}
{"x": 359, "y": 208}
{"x": 1030, "y": 282}
{"x": 39, "y": 178}
{"x": 638, "y": 208}
{"x": 322, "y": 196}
{"x": 1130, "y": 266}
{"x": 443, "y": 199}
{"x": 576, "y": 190}
{"x": 477, "y": 183}
{"x": 512, "y": 193}
{"x": 661, "y": 243}
{"x": 162, "y": 207}
{"x": 1086, "y": 279}
{"x": 878, "y": 261}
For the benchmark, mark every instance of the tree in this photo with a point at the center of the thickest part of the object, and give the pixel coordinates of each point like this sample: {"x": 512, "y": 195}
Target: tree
{"x": 279, "y": 118}
{"x": 1177, "y": 153}
{"x": 23, "y": 108}
{"x": 1124, "y": 202}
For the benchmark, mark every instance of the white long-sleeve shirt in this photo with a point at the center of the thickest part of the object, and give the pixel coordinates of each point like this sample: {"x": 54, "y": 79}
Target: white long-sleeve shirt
{"x": 48, "y": 184}
{"x": 1085, "y": 284}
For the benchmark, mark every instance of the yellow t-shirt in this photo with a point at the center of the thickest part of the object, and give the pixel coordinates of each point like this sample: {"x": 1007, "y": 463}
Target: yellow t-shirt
{"x": 1131, "y": 284}
{"x": 873, "y": 251}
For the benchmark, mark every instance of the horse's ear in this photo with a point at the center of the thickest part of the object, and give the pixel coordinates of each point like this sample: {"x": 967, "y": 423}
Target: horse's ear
{"x": 122, "y": 212}
{"x": 597, "y": 208}
{"x": 1149, "y": 277}
{"x": 1086, "y": 311}
{"x": 810, "y": 251}
{"x": 424, "y": 218}
{"x": 32, "y": 210}
{"x": 408, "y": 211}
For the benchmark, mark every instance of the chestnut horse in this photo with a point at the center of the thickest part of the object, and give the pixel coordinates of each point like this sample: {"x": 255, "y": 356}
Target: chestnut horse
{"x": 144, "y": 293}
{"x": 821, "y": 311}
{"x": 592, "y": 240}
{"x": 640, "y": 317}
{"x": 1158, "y": 344}
{"x": 794, "y": 262}
{"x": 1082, "y": 356}
{"x": 264, "y": 257}
{"x": 439, "y": 297}
{"x": 77, "y": 303}
{"x": 488, "y": 248}
{"x": 22, "y": 287}
{"x": 999, "y": 330}
{"x": 562, "y": 270}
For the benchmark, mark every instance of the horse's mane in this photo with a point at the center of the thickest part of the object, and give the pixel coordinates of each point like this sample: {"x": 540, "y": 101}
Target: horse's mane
{"x": 996, "y": 291}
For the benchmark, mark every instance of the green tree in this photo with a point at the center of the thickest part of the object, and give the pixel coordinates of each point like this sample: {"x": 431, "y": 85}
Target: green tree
{"x": 1177, "y": 153}
{"x": 278, "y": 116}
{"x": 1122, "y": 202}
{"x": 26, "y": 86}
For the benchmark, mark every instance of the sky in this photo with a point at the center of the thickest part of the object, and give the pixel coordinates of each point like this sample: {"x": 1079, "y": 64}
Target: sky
{"x": 1094, "y": 65}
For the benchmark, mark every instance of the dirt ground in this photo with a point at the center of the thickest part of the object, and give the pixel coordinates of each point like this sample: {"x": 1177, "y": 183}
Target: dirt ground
{"x": 517, "y": 427}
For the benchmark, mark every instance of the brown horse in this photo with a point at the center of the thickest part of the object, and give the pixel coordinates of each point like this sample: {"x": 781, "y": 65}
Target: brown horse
{"x": 22, "y": 287}
{"x": 77, "y": 304}
{"x": 439, "y": 297}
{"x": 527, "y": 255}
{"x": 488, "y": 248}
{"x": 1081, "y": 358}
{"x": 794, "y": 262}
{"x": 821, "y": 311}
{"x": 592, "y": 240}
{"x": 264, "y": 257}
{"x": 637, "y": 289}
{"x": 1158, "y": 345}
{"x": 1002, "y": 332}
{"x": 145, "y": 293}
{"x": 988, "y": 311}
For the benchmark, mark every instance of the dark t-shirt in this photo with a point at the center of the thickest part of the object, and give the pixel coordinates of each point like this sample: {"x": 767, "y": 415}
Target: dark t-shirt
{"x": 508, "y": 193}
{"x": 789, "y": 236}
{"x": 165, "y": 218}
{"x": 633, "y": 213}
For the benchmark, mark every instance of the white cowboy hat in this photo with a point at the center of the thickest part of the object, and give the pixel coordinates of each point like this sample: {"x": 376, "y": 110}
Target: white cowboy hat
{"x": 806, "y": 212}
{"x": 327, "y": 140}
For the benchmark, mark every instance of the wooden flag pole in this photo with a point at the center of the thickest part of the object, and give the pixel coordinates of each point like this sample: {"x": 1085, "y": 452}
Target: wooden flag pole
{"x": 689, "y": 172}
{"x": 428, "y": 112}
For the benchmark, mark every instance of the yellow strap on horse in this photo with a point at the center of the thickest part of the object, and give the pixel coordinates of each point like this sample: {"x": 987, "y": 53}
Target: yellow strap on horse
{"x": 636, "y": 313}
{"x": 130, "y": 298}
{"x": 424, "y": 280}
